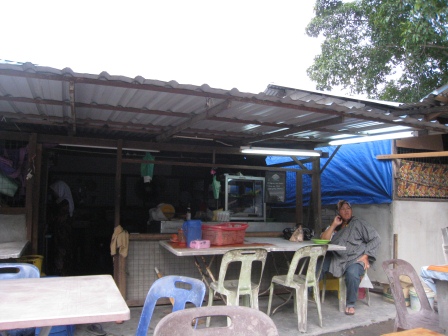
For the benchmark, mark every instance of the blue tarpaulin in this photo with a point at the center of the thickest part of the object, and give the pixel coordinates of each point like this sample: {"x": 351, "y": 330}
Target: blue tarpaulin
{"x": 353, "y": 174}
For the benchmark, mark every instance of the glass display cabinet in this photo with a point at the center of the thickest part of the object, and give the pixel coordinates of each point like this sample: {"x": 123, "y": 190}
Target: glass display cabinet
{"x": 244, "y": 197}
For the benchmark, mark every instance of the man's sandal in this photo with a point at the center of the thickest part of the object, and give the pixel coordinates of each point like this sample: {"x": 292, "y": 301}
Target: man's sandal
{"x": 96, "y": 329}
{"x": 350, "y": 311}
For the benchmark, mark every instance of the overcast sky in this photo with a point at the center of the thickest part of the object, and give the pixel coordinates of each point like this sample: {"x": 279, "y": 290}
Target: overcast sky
{"x": 235, "y": 43}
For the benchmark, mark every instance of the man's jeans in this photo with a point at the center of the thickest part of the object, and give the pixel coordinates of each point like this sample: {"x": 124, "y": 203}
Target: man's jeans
{"x": 353, "y": 276}
{"x": 428, "y": 277}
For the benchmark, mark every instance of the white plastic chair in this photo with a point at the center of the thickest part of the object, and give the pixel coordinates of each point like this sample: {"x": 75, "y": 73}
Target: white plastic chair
{"x": 300, "y": 281}
{"x": 246, "y": 285}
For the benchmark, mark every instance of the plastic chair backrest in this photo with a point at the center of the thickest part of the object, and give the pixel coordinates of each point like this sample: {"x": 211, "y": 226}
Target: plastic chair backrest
{"x": 18, "y": 271}
{"x": 247, "y": 257}
{"x": 312, "y": 252}
{"x": 244, "y": 321}
{"x": 426, "y": 317}
{"x": 182, "y": 289}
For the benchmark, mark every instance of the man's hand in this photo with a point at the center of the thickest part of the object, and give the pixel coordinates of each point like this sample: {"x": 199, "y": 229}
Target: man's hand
{"x": 337, "y": 221}
{"x": 365, "y": 259}
{"x": 328, "y": 233}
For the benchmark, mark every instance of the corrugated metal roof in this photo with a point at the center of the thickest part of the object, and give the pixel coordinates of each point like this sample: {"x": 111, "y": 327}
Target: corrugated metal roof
{"x": 61, "y": 102}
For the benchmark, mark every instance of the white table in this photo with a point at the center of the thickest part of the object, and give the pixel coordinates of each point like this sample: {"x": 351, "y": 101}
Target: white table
{"x": 270, "y": 244}
{"x": 51, "y": 301}
{"x": 12, "y": 249}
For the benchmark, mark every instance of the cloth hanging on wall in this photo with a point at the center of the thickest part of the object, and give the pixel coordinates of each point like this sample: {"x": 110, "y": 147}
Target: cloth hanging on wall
{"x": 120, "y": 242}
{"x": 418, "y": 179}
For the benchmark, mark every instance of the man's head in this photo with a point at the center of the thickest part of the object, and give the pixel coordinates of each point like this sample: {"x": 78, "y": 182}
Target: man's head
{"x": 345, "y": 210}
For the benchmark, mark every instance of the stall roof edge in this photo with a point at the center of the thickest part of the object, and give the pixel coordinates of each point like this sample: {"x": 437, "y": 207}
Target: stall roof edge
{"x": 64, "y": 104}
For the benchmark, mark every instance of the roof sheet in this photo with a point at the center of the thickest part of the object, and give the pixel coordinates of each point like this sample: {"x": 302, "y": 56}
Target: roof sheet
{"x": 51, "y": 101}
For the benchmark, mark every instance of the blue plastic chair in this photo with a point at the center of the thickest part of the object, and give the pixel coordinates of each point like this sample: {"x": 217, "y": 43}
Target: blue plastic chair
{"x": 18, "y": 271}
{"x": 180, "y": 288}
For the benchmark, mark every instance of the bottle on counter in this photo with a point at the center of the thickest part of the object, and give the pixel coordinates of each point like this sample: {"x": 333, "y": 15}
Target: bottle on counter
{"x": 188, "y": 216}
{"x": 181, "y": 237}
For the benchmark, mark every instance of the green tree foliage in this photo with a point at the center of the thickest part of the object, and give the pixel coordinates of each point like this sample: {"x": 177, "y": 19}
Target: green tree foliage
{"x": 394, "y": 50}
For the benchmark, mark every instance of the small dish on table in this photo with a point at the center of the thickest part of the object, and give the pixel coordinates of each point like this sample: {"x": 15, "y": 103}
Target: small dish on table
{"x": 321, "y": 241}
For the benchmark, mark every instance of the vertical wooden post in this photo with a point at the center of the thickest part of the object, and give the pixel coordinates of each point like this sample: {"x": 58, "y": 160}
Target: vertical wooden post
{"x": 299, "y": 199}
{"x": 29, "y": 206}
{"x": 316, "y": 196}
{"x": 37, "y": 231}
{"x": 119, "y": 261}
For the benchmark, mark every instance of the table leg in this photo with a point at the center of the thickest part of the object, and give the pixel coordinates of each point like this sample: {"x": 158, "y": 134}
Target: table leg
{"x": 207, "y": 267}
{"x": 282, "y": 304}
{"x": 203, "y": 275}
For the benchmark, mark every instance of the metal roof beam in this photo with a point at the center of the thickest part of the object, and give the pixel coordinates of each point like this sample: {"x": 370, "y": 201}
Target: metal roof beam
{"x": 194, "y": 119}
{"x": 296, "y": 129}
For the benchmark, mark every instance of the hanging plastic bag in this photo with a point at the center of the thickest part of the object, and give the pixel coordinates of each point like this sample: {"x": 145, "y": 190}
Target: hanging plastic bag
{"x": 365, "y": 282}
{"x": 147, "y": 169}
{"x": 156, "y": 214}
{"x": 216, "y": 186}
{"x": 308, "y": 234}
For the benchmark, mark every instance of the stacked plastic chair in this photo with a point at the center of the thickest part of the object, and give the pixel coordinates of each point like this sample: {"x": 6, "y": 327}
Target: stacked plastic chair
{"x": 180, "y": 289}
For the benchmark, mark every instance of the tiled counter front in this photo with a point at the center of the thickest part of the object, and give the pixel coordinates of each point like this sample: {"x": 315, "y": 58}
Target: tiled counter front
{"x": 145, "y": 255}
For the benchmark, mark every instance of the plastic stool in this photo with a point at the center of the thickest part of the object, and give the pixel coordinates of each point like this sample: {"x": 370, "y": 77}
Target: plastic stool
{"x": 330, "y": 282}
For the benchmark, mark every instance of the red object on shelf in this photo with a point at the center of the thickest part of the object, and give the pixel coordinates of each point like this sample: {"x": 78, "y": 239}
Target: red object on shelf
{"x": 224, "y": 233}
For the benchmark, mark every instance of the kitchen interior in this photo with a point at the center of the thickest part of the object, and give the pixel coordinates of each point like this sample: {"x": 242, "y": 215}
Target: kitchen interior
{"x": 90, "y": 173}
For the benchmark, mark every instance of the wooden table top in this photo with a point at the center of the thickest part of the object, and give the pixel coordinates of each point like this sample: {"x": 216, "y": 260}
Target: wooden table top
{"x": 52, "y": 301}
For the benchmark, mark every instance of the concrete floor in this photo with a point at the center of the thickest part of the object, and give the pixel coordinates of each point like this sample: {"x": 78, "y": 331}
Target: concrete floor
{"x": 379, "y": 311}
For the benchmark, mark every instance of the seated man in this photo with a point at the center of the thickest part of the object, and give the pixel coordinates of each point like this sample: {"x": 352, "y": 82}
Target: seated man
{"x": 362, "y": 242}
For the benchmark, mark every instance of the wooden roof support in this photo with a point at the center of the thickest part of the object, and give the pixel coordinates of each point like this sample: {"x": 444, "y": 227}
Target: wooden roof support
{"x": 411, "y": 155}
